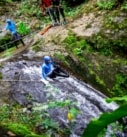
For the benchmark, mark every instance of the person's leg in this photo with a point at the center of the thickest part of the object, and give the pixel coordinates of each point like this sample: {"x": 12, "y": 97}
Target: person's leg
{"x": 19, "y": 38}
{"x": 52, "y": 15}
{"x": 62, "y": 13}
{"x": 54, "y": 72}
{"x": 57, "y": 12}
{"x": 15, "y": 40}
{"x": 52, "y": 75}
{"x": 22, "y": 42}
{"x": 58, "y": 71}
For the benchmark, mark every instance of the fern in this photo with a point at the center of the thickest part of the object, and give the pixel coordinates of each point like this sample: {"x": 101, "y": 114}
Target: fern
{"x": 104, "y": 120}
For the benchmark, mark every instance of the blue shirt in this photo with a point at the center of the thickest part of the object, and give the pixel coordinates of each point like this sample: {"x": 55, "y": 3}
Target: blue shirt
{"x": 11, "y": 27}
{"x": 46, "y": 69}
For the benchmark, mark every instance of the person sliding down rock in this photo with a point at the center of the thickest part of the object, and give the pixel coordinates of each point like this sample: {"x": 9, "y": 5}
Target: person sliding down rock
{"x": 51, "y": 70}
{"x": 10, "y": 25}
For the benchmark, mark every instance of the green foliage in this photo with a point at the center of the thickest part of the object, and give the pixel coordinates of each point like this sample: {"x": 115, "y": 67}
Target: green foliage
{"x": 4, "y": 112}
{"x": 22, "y": 28}
{"x": 38, "y": 116}
{"x": 5, "y": 1}
{"x": 49, "y": 123}
{"x": 77, "y": 45}
{"x": 124, "y": 6}
{"x": 29, "y": 8}
{"x": 73, "y": 12}
{"x": 9, "y": 1}
{"x": 4, "y": 40}
{"x": 74, "y": 112}
{"x": 105, "y": 119}
{"x": 62, "y": 104}
{"x": 37, "y": 48}
{"x": 70, "y": 40}
{"x": 77, "y": 51}
{"x": 8, "y": 52}
{"x": 123, "y": 99}
{"x": 120, "y": 84}
{"x": 98, "y": 79}
{"x": 120, "y": 44}
{"x": 106, "y": 4}
{"x": 101, "y": 44}
{"x": 20, "y": 130}
{"x": 14, "y": 114}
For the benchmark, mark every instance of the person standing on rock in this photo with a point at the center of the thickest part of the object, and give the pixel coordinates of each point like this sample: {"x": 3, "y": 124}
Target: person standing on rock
{"x": 59, "y": 11}
{"x": 46, "y": 6}
{"x": 10, "y": 25}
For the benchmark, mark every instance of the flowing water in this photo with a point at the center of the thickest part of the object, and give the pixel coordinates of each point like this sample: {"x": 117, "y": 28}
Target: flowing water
{"x": 24, "y": 78}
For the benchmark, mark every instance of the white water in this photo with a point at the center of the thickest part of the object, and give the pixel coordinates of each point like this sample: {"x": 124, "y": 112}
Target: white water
{"x": 90, "y": 101}
{"x": 25, "y": 78}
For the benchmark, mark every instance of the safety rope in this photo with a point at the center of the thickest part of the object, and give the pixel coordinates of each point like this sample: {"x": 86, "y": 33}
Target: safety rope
{"x": 17, "y": 39}
{"x": 20, "y": 80}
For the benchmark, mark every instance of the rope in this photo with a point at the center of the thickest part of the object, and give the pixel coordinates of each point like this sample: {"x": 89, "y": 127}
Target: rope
{"x": 20, "y": 80}
{"x": 17, "y": 39}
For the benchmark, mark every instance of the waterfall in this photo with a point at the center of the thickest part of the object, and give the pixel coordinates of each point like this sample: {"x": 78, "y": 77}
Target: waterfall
{"x": 25, "y": 77}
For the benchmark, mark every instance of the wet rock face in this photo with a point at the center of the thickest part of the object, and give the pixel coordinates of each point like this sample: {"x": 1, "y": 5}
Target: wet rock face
{"x": 4, "y": 92}
{"x": 26, "y": 88}
{"x": 21, "y": 83}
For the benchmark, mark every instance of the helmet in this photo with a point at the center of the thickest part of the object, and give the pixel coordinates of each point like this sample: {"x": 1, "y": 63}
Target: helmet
{"x": 8, "y": 20}
{"x": 47, "y": 58}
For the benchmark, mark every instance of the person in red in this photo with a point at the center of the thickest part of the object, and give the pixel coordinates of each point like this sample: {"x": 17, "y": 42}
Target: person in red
{"x": 46, "y": 6}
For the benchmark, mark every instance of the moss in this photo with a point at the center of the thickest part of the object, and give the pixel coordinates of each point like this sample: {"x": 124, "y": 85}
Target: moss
{"x": 37, "y": 45}
{"x": 62, "y": 59}
{"x": 20, "y": 130}
{"x": 120, "y": 85}
{"x": 1, "y": 75}
{"x": 1, "y": 65}
{"x": 77, "y": 45}
{"x": 37, "y": 48}
{"x": 59, "y": 56}
{"x": 97, "y": 80}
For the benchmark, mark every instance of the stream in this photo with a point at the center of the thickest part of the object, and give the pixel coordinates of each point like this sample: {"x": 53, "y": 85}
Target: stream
{"x": 23, "y": 80}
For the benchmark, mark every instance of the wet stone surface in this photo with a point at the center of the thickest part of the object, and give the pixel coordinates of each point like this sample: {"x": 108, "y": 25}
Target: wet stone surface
{"x": 26, "y": 88}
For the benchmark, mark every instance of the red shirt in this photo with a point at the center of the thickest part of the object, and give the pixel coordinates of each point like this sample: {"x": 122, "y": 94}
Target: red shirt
{"x": 47, "y": 3}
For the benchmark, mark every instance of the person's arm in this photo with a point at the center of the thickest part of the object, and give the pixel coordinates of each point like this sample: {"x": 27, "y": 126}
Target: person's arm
{"x": 5, "y": 28}
{"x": 43, "y": 73}
{"x": 42, "y": 5}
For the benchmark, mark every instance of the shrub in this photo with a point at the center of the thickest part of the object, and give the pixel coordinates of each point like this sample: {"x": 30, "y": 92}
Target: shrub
{"x": 106, "y": 4}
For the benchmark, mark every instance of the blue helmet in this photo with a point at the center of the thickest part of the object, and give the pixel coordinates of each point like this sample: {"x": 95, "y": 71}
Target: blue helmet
{"x": 47, "y": 59}
{"x": 8, "y": 21}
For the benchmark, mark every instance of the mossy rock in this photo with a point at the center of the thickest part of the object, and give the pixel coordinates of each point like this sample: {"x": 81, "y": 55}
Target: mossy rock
{"x": 20, "y": 130}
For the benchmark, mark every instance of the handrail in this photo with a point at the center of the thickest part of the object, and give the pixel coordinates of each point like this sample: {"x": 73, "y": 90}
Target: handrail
{"x": 17, "y": 39}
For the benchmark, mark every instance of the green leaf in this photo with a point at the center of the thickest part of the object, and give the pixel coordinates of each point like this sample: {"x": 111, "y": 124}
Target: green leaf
{"x": 124, "y": 98}
{"x": 105, "y": 119}
{"x": 74, "y": 112}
